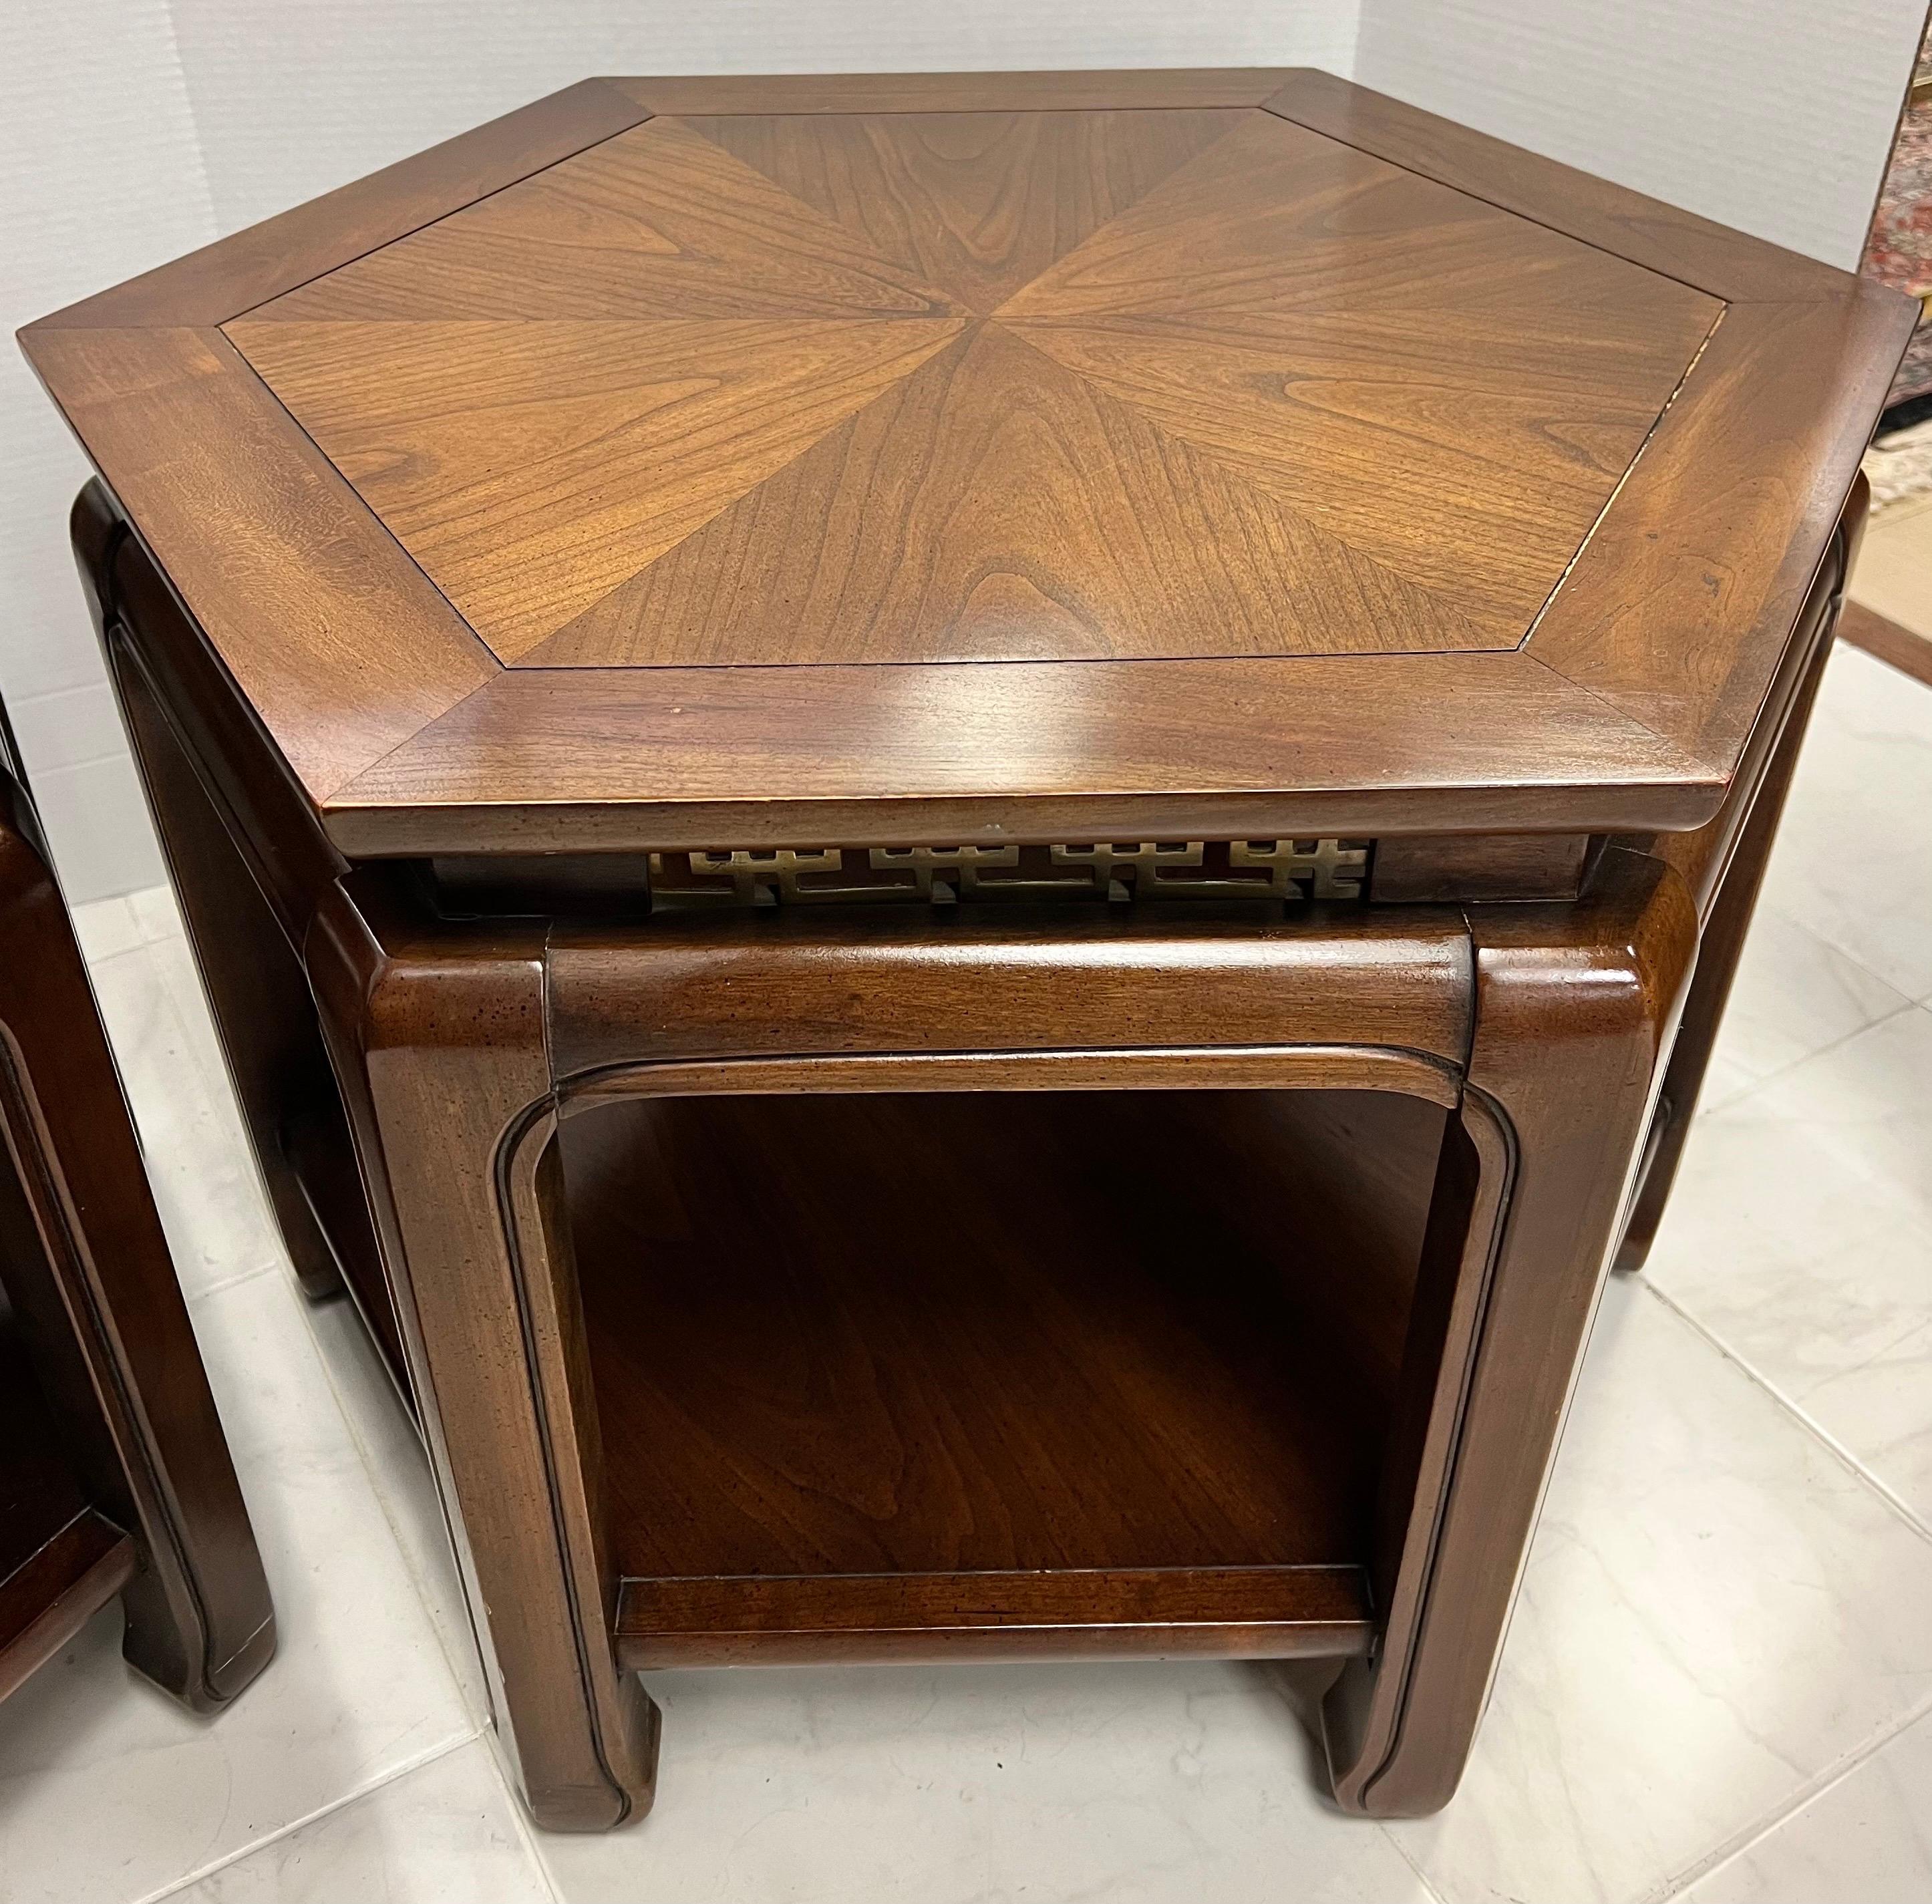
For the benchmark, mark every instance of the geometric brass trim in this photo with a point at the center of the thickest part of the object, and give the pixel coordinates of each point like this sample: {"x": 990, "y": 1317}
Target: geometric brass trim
{"x": 1284, "y": 872}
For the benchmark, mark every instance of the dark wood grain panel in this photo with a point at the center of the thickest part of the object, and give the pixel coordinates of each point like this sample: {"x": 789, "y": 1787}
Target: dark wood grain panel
{"x": 1664, "y": 238}
{"x": 1435, "y": 868}
{"x": 799, "y": 1371}
{"x": 699, "y": 988}
{"x": 1336, "y": 318}
{"x": 109, "y": 1435}
{"x": 40, "y": 1492}
{"x": 342, "y": 647}
{"x": 657, "y": 222}
{"x": 1727, "y": 515}
{"x": 1452, "y": 389}
{"x": 531, "y": 468}
{"x": 977, "y": 203}
{"x": 657, "y": 758}
{"x": 1269, "y": 1613}
{"x": 1032, "y": 518}
{"x": 47, "y": 1599}
{"x": 956, "y": 92}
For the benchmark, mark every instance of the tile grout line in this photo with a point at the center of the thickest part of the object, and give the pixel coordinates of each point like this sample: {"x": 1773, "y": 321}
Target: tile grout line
{"x": 1741, "y": 1843}
{"x": 1808, "y": 1795}
{"x": 1811, "y": 932}
{"x": 224, "y": 1285}
{"x": 101, "y": 961}
{"x": 1811, "y": 1789}
{"x": 1756, "y": 1084}
{"x": 110, "y": 753}
{"x": 472, "y": 1732}
{"x": 127, "y": 899}
{"x": 359, "y": 1442}
{"x": 1402, "y": 1852}
{"x": 348, "y": 1798}
{"x": 527, "y": 1834}
{"x": 1822, "y": 1436}
{"x": 372, "y": 1473}
{"x": 1784, "y": 1070}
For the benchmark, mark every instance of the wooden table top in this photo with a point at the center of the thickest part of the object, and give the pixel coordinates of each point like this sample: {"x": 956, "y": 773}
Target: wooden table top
{"x": 759, "y": 462}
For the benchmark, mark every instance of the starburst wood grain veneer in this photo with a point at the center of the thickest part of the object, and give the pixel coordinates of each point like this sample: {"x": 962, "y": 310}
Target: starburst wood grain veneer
{"x": 949, "y": 831}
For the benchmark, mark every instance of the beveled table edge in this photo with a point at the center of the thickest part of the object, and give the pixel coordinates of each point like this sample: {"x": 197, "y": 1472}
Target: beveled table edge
{"x": 369, "y": 760}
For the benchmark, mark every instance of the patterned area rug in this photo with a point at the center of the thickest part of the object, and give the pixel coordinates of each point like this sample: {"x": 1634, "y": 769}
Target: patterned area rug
{"x": 1898, "y": 250}
{"x": 1899, "y": 467}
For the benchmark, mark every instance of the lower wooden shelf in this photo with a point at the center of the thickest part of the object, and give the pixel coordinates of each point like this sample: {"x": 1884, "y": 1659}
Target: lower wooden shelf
{"x": 60, "y": 1561}
{"x": 995, "y": 1375}
{"x": 1258, "y": 1612}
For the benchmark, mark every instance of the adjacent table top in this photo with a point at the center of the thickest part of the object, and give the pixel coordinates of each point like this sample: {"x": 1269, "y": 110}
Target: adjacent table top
{"x": 758, "y": 462}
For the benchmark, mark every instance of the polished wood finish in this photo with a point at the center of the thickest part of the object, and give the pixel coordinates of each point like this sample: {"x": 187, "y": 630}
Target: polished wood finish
{"x": 655, "y": 756}
{"x": 760, "y": 392}
{"x": 1723, "y": 865}
{"x": 154, "y": 402}
{"x": 624, "y": 1408}
{"x": 46, "y": 1600}
{"x": 1881, "y": 637}
{"x": 796, "y": 1382}
{"x": 681, "y": 1011}
{"x": 1042, "y": 520}
{"x": 996, "y": 795}
{"x": 1087, "y": 473}
{"x": 1272, "y": 1613}
{"x": 1430, "y": 869}
{"x": 886, "y": 982}
{"x": 978, "y": 203}
{"x": 1588, "y": 991}
{"x": 114, "y": 1475}
{"x": 570, "y": 1460}
{"x": 786, "y": 447}
{"x": 1664, "y": 238}
{"x": 1703, "y": 678}
{"x": 1084, "y": 91}
{"x": 445, "y": 1065}
{"x": 244, "y": 885}
{"x": 1245, "y": 304}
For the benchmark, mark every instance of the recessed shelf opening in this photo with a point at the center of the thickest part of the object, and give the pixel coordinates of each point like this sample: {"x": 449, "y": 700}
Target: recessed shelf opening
{"x": 1089, "y": 1370}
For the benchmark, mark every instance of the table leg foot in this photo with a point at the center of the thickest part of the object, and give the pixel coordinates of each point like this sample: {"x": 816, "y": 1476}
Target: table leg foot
{"x": 1575, "y": 1008}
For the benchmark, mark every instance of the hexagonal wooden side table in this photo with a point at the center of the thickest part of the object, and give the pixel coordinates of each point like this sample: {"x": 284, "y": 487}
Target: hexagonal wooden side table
{"x": 950, "y": 829}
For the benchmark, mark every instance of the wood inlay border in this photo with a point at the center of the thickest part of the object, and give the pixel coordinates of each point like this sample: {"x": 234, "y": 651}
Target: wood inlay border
{"x": 1613, "y": 717}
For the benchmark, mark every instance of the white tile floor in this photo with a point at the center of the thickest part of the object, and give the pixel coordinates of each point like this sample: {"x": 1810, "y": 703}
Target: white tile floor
{"x": 1718, "y": 1685}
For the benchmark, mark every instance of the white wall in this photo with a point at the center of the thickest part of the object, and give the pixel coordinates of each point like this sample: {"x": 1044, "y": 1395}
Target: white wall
{"x": 104, "y": 179}
{"x": 289, "y": 99}
{"x": 133, "y": 130}
{"x": 1773, "y": 116}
